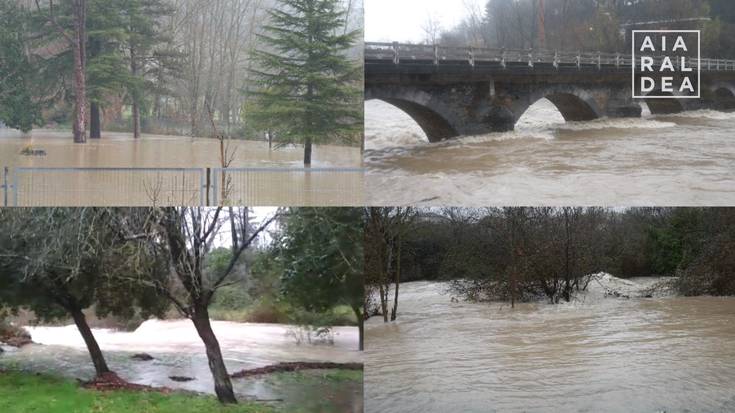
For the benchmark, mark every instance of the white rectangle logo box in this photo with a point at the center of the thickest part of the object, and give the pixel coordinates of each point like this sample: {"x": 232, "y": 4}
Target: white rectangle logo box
{"x": 699, "y": 65}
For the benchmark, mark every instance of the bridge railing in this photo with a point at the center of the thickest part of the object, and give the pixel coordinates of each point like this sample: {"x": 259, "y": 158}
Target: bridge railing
{"x": 435, "y": 54}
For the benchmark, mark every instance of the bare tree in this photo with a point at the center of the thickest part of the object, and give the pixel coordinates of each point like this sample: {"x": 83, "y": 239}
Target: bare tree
{"x": 432, "y": 30}
{"x": 186, "y": 236}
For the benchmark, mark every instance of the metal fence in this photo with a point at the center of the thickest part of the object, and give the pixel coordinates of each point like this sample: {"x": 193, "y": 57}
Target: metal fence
{"x": 292, "y": 187}
{"x": 24, "y": 186}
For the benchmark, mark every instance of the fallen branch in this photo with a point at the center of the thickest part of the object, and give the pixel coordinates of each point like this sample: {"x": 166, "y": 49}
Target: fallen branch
{"x": 296, "y": 366}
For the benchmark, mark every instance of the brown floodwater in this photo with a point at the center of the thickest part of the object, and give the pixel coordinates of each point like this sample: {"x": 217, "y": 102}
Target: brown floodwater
{"x": 178, "y": 351}
{"x": 683, "y": 159}
{"x": 670, "y": 354}
{"x": 278, "y": 178}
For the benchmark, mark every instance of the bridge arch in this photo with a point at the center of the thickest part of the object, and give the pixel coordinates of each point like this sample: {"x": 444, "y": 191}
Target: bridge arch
{"x": 574, "y": 105}
{"x": 664, "y": 106}
{"x": 723, "y": 96}
{"x": 430, "y": 115}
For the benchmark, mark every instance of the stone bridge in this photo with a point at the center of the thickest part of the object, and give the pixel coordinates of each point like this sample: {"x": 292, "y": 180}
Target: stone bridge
{"x": 467, "y": 91}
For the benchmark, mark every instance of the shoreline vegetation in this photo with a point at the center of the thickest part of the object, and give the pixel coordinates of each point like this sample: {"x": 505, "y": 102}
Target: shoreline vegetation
{"x": 547, "y": 254}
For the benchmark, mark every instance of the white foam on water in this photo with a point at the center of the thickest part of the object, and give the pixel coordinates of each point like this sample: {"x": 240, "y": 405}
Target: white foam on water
{"x": 706, "y": 114}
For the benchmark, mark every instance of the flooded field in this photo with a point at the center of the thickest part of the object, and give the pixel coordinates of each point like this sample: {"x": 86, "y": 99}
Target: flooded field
{"x": 178, "y": 351}
{"x": 671, "y": 354}
{"x": 277, "y": 177}
{"x": 120, "y": 150}
{"x": 683, "y": 159}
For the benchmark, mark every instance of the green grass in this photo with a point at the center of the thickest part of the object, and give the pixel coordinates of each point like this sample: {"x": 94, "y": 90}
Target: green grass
{"x": 28, "y": 393}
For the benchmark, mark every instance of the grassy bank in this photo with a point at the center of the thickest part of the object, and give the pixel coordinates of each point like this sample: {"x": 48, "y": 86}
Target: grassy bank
{"x": 28, "y": 393}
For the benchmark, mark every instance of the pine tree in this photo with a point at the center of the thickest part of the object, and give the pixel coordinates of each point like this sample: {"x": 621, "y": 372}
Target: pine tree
{"x": 17, "y": 106}
{"x": 106, "y": 68}
{"x": 308, "y": 89}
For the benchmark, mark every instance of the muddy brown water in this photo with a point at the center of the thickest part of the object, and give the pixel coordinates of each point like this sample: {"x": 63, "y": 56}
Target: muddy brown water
{"x": 177, "y": 351}
{"x": 683, "y": 159}
{"x": 670, "y": 354}
{"x": 120, "y": 150}
{"x": 279, "y": 179}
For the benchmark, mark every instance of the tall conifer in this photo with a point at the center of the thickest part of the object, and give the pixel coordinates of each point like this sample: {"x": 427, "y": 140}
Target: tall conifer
{"x": 309, "y": 90}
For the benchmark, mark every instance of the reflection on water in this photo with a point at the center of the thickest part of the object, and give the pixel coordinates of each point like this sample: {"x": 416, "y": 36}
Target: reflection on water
{"x": 684, "y": 159}
{"x": 178, "y": 351}
{"x": 640, "y": 355}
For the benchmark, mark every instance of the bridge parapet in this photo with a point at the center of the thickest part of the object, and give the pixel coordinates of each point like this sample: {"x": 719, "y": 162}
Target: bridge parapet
{"x": 399, "y": 53}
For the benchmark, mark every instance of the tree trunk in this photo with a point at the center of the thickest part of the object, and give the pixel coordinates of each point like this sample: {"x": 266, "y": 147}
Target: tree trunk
{"x": 98, "y": 359}
{"x": 222, "y": 383}
{"x": 307, "y": 152}
{"x": 360, "y": 326}
{"x": 384, "y": 302}
{"x": 136, "y": 95}
{"x": 80, "y": 87}
{"x": 95, "y": 127}
{"x": 394, "y": 311}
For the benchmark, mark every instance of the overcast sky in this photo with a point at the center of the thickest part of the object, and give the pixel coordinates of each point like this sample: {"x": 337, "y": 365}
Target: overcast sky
{"x": 401, "y": 20}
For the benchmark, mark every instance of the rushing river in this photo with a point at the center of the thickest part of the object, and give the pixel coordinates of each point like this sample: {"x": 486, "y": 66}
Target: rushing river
{"x": 178, "y": 351}
{"x": 602, "y": 354}
{"x": 683, "y": 159}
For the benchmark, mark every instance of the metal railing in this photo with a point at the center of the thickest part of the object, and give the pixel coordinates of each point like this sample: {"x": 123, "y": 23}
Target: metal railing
{"x": 398, "y": 53}
{"x": 25, "y": 186}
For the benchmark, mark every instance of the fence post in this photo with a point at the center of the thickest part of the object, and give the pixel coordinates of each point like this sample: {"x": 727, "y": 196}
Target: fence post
{"x": 617, "y": 60}
{"x": 396, "y": 58}
{"x": 208, "y": 186}
{"x": 471, "y": 57}
{"x": 15, "y": 187}
{"x": 599, "y": 61}
{"x": 579, "y": 60}
{"x": 202, "y": 188}
{"x": 5, "y": 186}
{"x": 215, "y": 187}
{"x": 556, "y": 59}
{"x": 502, "y": 57}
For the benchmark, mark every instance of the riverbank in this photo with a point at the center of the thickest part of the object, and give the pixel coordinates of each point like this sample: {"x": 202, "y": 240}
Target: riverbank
{"x": 176, "y": 351}
{"x": 26, "y": 393}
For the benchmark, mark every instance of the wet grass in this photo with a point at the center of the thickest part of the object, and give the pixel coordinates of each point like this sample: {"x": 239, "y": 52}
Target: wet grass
{"x": 29, "y": 393}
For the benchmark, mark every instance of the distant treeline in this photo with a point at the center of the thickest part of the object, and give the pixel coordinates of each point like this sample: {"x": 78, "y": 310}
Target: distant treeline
{"x": 602, "y": 25}
{"x": 519, "y": 253}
